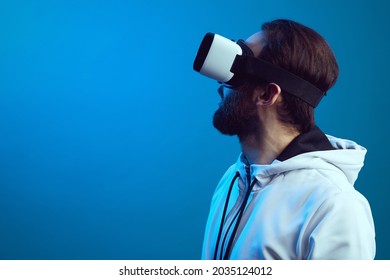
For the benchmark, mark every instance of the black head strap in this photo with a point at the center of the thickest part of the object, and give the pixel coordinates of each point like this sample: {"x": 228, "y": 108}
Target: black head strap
{"x": 249, "y": 65}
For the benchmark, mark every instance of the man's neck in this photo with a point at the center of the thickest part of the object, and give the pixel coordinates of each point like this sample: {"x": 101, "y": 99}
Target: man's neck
{"x": 264, "y": 147}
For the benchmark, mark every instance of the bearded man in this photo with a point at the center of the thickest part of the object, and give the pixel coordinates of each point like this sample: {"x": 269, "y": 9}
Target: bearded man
{"x": 291, "y": 194}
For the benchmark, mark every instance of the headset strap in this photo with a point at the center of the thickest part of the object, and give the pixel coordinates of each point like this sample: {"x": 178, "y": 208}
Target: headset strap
{"x": 271, "y": 73}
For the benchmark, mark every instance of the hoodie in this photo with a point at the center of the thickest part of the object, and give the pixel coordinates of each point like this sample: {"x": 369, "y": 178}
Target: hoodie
{"x": 303, "y": 206}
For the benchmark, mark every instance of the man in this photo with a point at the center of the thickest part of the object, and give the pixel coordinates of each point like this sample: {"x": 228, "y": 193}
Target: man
{"x": 290, "y": 194}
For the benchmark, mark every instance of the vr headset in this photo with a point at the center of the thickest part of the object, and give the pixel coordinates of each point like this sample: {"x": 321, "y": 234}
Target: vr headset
{"x": 230, "y": 63}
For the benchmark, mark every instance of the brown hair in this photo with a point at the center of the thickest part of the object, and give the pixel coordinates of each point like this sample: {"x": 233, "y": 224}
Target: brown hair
{"x": 302, "y": 51}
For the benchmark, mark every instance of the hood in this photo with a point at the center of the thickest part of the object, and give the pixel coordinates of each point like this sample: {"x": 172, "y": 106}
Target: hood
{"x": 347, "y": 158}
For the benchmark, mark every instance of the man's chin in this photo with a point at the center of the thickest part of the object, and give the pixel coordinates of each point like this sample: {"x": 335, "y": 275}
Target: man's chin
{"x": 234, "y": 127}
{"x": 224, "y": 126}
{"x": 226, "y": 132}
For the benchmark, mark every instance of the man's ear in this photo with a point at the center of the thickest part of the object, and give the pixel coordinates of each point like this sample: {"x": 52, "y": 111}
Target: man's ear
{"x": 268, "y": 95}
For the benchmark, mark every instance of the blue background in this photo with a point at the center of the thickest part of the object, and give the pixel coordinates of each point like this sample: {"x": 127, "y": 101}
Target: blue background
{"x": 107, "y": 150}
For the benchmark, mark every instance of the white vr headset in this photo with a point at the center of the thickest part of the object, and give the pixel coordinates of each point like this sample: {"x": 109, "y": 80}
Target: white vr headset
{"x": 230, "y": 63}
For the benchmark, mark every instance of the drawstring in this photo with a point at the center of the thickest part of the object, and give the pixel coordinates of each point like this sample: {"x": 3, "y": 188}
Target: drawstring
{"x": 241, "y": 211}
{"x": 226, "y": 235}
{"x": 224, "y": 213}
{"x": 239, "y": 214}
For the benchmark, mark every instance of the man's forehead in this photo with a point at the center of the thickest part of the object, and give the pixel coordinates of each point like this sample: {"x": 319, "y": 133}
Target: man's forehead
{"x": 256, "y": 42}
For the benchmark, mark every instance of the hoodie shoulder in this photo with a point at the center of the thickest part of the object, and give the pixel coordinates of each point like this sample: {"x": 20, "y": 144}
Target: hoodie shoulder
{"x": 341, "y": 228}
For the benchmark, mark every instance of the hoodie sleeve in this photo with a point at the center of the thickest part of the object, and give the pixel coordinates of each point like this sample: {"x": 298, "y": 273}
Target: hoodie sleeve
{"x": 342, "y": 228}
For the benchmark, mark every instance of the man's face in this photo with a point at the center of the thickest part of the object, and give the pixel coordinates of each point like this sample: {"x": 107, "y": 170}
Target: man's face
{"x": 237, "y": 112}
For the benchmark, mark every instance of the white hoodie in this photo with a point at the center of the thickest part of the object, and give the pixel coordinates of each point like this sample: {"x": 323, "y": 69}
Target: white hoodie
{"x": 304, "y": 207}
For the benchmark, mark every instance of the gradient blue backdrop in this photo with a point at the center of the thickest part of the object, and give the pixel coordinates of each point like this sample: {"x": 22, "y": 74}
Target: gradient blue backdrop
{"x": 107, "y": 150}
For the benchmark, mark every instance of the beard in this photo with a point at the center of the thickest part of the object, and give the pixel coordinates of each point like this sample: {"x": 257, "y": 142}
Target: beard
{"x": 237, "y": 115}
